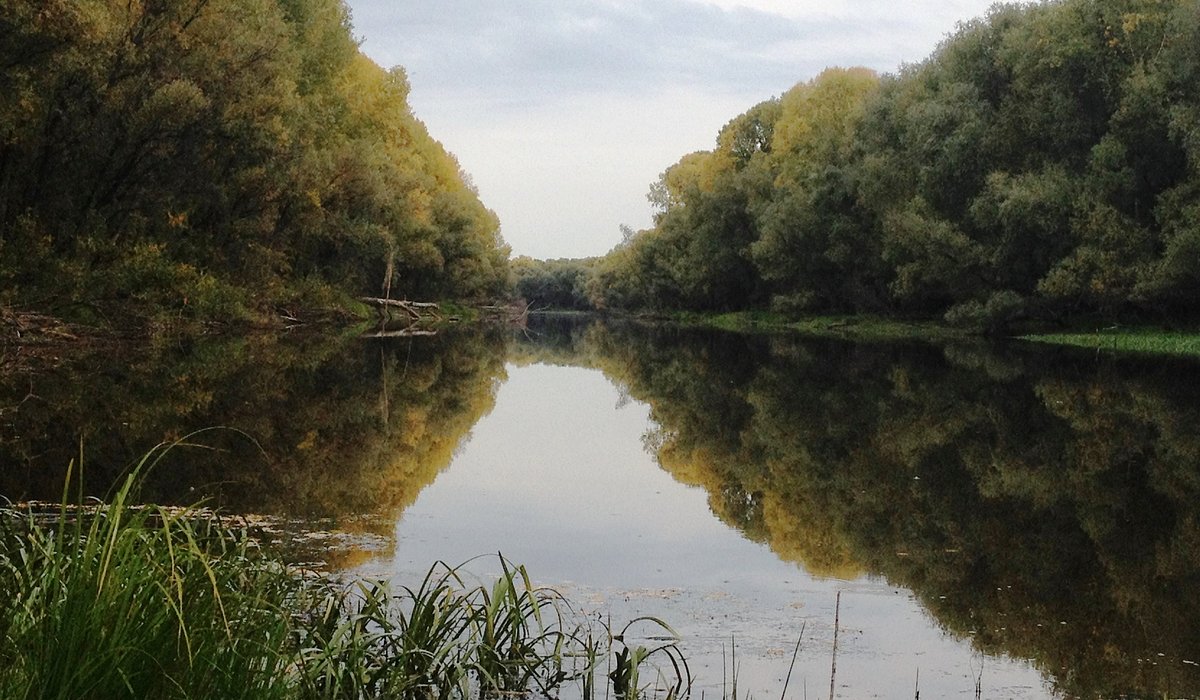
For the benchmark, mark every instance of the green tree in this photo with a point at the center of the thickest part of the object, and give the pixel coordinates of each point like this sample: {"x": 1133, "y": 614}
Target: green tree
{"x": 816, "y": 248}
{"x": 554, "y": 284}
{"x": 219, "y": 157}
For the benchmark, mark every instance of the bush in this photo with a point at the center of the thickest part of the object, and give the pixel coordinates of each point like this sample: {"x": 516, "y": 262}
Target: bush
{"x": 992, "y": 316}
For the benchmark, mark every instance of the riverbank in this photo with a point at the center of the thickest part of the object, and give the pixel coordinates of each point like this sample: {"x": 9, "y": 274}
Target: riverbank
{"x": 32, "y": 340}
{"x": 1141, "y": 340}
{"x": 850, "y": 327}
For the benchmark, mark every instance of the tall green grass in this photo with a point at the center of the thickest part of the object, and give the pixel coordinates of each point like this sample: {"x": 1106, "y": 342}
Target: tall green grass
{"x": 127, "y": 601}
{"x": 139, "y": 602}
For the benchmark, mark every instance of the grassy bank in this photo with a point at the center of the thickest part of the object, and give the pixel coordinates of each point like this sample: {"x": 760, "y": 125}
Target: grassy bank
{"x": 1146, "y": 341}
{"x": 1139, "y": 341}
{"x": 851, "y": 327}
{"x": 124, "y": 601}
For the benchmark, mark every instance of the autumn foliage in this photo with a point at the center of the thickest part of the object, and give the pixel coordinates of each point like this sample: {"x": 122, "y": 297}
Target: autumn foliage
{"x": 219, "y": 158}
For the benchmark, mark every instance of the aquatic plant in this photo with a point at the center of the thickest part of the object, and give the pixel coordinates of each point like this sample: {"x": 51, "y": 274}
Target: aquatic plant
{"x": 128, "y": 601}
{"x": 630, "y": 657}
{"x": 444, "y": 638}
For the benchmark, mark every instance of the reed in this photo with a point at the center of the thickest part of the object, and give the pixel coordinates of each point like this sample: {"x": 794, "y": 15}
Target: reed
{"x": 630, "y": 658}
{"x": 138, "y": 602}
{"x": 444, "y": 638}
{"x": 128, "y": 601}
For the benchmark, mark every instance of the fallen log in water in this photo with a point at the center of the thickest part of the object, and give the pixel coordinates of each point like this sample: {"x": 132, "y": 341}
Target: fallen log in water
{"x": 416, "y": 310}
{"x": 509, "y": 313}
{"x": 402, "y": 333}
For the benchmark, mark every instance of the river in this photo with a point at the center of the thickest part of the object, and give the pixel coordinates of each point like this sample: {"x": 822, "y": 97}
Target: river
{"x": 965, "y": 520}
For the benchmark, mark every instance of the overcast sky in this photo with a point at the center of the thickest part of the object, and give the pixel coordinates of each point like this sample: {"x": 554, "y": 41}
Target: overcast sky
{"x": 564, "y": 111}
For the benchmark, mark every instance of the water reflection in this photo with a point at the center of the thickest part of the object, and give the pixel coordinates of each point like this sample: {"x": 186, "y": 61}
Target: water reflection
{"x": 1044, "y": 504}
{"x": 316, "y": 426}
{"x": 1039, "y": 504}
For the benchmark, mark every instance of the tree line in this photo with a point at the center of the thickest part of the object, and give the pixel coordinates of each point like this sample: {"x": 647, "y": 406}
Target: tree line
{"x": 221, "y": 158}
{"x": 1043, "y": 162}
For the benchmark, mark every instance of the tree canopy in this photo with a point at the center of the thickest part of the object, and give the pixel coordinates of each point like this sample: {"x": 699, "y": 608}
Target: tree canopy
{"x": 1043, "y": 161}
{"x": 219, "y": 157}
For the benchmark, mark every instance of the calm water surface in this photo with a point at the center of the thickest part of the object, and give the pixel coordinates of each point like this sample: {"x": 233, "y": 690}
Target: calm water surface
{"x": 1020, "y": 518}
{"x": 558, "y": 477}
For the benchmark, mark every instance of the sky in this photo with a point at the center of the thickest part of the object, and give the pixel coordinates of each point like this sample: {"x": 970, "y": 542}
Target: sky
{"x": 563, "y": 112}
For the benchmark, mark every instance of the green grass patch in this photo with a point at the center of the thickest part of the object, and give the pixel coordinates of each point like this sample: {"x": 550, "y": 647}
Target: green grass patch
{"x": 746, "y": 320}
{"x": 458, "y": 311}
{"x": 741, "y": 321}
{"x": 852, "y": 327}
{"x": 876, "y": 328}
{"x": 1139, "y": 341}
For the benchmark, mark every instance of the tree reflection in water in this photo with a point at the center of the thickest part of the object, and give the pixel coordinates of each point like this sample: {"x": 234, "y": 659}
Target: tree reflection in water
{"x": 317, "y": 427}
{"x": 1045, "y": 503}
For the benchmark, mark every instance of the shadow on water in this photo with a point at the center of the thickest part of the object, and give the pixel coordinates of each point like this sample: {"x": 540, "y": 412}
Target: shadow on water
{"x": 1044, "y": 504}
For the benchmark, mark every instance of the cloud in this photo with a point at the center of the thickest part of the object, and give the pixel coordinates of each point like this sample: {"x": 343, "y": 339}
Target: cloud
{"x": 564, "y": 111}
{"x": 555, "y": 49}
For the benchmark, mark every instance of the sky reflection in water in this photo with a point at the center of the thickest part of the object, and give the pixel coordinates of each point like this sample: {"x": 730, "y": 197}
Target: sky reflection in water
{"x": 557, "y": 478}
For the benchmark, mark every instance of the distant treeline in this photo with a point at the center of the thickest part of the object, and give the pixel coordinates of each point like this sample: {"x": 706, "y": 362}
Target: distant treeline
{"x": 1044, "y": 162}
{"x": 220, "y": 158}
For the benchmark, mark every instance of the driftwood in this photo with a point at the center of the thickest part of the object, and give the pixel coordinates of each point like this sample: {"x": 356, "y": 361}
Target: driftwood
{"x": 416, "y": 310}
{"x": 29, "y": 327}
{"x": 402, "y": 333}
{"x": 509, "y": 313}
